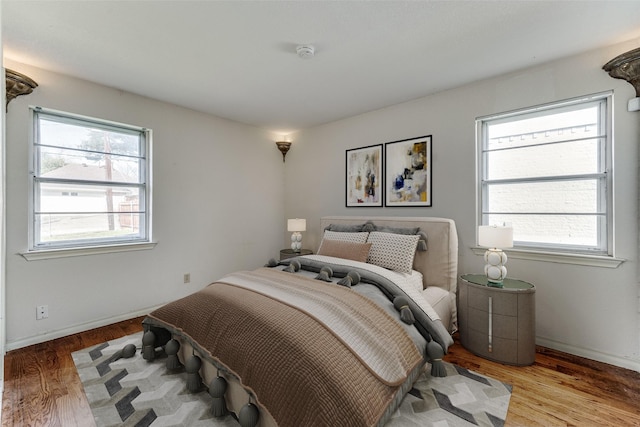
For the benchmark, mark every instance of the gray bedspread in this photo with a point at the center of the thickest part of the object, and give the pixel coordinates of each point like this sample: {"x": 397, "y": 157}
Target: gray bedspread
{"x": 429, "y": 329}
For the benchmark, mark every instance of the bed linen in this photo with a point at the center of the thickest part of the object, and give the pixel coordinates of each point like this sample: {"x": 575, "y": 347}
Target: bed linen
{"x": 433, "y": 279}
{"x": 390, "y": 283}
{"x": 346, "y": 359}
{"x": 436, "y": 258}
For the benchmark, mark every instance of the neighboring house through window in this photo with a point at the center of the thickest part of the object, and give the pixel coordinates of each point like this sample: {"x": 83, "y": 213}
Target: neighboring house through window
{"x": 90, "y": 182}
{"x": 547, "y": 170}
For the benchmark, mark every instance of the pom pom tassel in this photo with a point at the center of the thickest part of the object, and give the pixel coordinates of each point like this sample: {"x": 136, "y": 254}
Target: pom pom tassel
{"x": 346, "y": 281}
{"x": 406, "y": 315}
{"x": 172, "y": 348}
{"x": 293, "y": 266}
{"x": 352, "y": 278}
{"x": 249, "y": 415}
{"x": 127, "y": 351}
{"x": 194, "y": 382}
{"x": 149, "y": 346}
{"x": 271, "y": 263}
{"x": 435, "y": 353}
{"x": 217, "y": 389}
{"x": 325, "y": 274}
{"x": 402, "y": 305}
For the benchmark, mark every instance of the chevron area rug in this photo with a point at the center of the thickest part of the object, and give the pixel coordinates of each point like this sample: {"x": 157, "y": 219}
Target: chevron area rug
{"x": 134, "y": 392}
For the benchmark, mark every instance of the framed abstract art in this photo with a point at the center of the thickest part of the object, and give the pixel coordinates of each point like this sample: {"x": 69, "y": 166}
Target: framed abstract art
{"x": 408, "y": 167}
{"x": 364, "y": 176}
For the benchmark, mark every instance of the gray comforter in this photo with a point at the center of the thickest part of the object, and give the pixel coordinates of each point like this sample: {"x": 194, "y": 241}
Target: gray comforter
{"x": 381, "y": 290}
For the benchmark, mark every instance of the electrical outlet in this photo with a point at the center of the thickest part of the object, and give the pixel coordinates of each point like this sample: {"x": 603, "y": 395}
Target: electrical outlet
{"x": 42, "y": 312}
{"x": 187, "y": 277}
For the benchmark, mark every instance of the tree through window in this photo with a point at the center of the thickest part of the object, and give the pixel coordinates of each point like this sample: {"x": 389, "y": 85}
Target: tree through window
{"x": 104, "y": 165}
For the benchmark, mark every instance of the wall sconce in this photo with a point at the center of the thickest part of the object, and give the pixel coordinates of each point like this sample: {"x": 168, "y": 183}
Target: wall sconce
{"x": 495, "y": 237}
{"x": 296, "y": 225}
{"x": 627, "y": 67}
{"x": 284, "y": 147}
{"x": 17, "y": 84}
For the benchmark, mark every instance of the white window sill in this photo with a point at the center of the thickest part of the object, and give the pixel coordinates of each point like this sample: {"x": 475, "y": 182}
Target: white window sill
{"x": 561, "y": 258}
{"x": 89, "y": 250}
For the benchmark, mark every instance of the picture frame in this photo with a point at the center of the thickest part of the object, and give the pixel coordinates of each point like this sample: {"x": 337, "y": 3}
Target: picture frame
{"x": 364, "y": 177}
{"x": 408, "y": 166}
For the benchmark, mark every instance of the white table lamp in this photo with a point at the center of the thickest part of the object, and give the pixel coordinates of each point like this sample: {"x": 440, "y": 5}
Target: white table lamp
{"x": 296, "y": 225}
{"x": 495, "y": 237}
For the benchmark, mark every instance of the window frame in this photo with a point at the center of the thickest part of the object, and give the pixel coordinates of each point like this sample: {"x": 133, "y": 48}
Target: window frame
{"x": 45, "y": 250}
{"x": 550, "y": 251}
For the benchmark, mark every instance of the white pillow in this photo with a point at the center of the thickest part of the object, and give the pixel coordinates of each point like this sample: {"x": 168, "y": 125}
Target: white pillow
{"x": 416, "y": 280}
{"x": 355, "y": 237}
{"x": 392, "y": 251}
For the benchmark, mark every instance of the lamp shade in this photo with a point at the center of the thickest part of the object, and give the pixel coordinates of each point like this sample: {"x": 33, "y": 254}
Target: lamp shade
{"x": 493, "y": 236}
{"x": 296, "y": 224}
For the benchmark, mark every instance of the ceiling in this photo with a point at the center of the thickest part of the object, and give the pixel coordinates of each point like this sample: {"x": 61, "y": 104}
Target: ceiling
{"x": 237, "y": 59}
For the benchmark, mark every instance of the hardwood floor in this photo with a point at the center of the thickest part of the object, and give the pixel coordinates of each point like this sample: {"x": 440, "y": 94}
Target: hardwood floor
{"x": 42, "y": 387}
{"x": 560, "y": 389}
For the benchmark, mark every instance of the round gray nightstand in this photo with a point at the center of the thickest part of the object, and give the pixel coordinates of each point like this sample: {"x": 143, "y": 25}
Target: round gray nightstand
{"x": 289, "y": 253}
{"x": 497, "y": 323}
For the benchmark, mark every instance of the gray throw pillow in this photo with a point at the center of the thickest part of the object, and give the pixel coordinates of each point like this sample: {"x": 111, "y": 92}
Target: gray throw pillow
{"x": 342, "y": 228}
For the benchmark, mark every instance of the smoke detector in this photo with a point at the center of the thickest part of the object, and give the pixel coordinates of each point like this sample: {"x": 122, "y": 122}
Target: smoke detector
{"x": 305, "y": 51}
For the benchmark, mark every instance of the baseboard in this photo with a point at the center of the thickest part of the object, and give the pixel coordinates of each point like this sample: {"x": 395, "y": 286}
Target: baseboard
{"x": 556, "y": 345}
{"x": 610, "y": 359}
{"x": 51, "y": 335}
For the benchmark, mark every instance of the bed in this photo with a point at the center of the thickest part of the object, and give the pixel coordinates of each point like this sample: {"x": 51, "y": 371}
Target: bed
{"x": 333, "y": 338}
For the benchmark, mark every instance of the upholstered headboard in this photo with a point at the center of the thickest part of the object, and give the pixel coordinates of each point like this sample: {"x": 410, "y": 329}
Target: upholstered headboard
{"x": 439, "y": 263}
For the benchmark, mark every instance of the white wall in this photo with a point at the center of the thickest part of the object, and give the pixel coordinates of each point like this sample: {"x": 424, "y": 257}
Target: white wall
{"x": 218, "y": 206}
{"x": 219, "y": 203}
{"x": 2, "y": 217}
{"x": 589, "y": 311}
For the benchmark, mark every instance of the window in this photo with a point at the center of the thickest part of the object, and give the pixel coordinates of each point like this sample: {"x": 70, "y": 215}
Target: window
{"x": 547, "y": 171}
{"x": 89, "y": 182}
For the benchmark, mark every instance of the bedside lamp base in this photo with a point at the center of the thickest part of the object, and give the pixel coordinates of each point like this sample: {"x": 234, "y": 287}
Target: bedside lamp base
{"x": 495, "y": 269}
